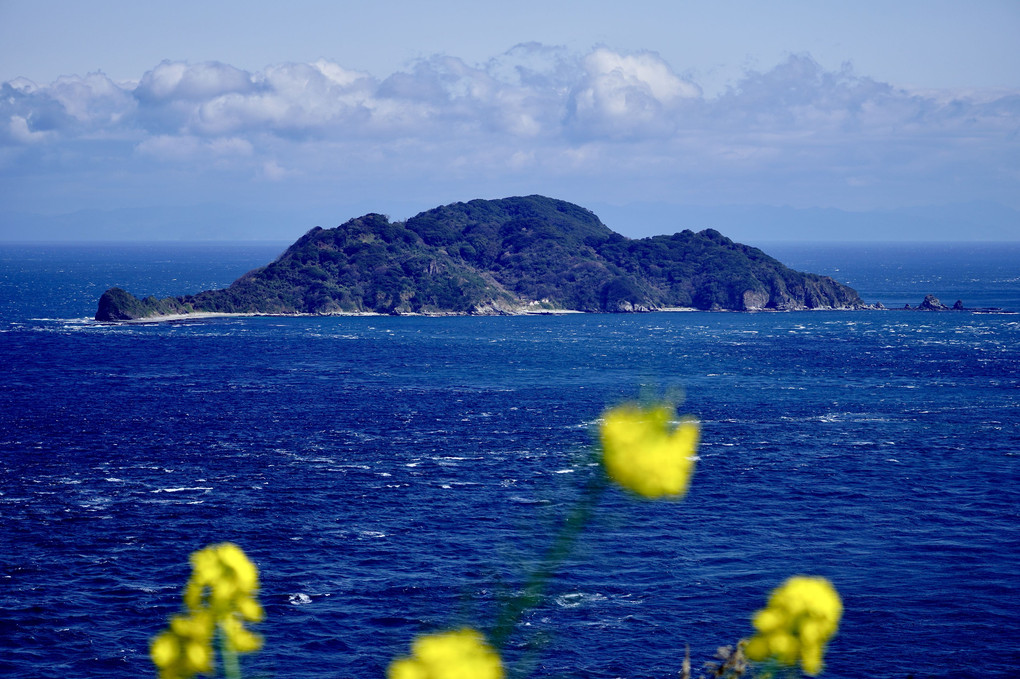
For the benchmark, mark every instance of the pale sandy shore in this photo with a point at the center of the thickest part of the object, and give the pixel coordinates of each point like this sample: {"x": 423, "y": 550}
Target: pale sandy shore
{"x": 202, "y": 315}
{"x": 547, "y": 312}
{"x": 181, "y": 317}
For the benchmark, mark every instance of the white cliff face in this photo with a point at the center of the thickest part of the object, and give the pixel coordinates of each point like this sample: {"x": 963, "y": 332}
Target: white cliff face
{"x": 755, "y": 300}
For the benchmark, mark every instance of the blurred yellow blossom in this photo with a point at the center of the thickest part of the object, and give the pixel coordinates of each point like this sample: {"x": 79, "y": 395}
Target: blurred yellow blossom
{"x": 222, "y": 579}
{"x": 460, "y": 654}
{"x": 644, "y": 453}
{"x": 802, "y": 615}
{"x": 185, "y": 648}
{"x": 220, "y": 593}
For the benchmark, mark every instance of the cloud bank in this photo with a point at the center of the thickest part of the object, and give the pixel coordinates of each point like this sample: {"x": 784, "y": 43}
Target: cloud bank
{"x": 602, "y": 125}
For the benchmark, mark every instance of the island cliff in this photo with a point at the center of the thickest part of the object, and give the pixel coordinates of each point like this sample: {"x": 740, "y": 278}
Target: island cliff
{"x": 513, "y": 255}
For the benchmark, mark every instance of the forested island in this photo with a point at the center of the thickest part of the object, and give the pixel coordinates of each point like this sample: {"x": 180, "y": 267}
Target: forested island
{"x": 510, "y": 256}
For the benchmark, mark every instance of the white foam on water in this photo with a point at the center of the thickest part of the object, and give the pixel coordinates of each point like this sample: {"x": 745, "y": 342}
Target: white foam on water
{"x": 576, "y": 599}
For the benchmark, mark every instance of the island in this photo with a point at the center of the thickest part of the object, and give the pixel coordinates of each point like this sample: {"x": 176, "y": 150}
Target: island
{"x": 932, "y": 303}
{"x": 528, "y": 254}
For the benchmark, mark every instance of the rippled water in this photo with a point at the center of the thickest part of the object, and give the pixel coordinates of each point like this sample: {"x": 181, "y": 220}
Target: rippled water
{"x": 397, "y": 475}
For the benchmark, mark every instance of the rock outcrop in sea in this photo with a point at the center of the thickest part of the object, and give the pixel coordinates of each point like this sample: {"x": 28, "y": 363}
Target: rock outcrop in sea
{"x": 516, "y": 255}
{"x": 932, "y": 303}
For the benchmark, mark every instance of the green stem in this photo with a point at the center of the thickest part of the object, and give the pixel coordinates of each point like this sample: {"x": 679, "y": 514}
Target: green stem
{"x": 554, "y": 558}
{"x": 231, "y": 664}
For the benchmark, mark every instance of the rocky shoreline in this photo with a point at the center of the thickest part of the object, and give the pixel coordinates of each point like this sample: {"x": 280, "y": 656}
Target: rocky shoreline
{"x": 930, "y": 303}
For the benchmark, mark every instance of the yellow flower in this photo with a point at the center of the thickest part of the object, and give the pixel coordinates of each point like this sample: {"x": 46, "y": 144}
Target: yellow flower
{"x": 222, "y": 575}
{"x": 642, "y": 452}
{"x": 461, "y": 654}
{"x": 237, "y": 637}
{"x": 802, "y": 615}
{"x": 220, "y": 593}
{"x": 184, "y": 649}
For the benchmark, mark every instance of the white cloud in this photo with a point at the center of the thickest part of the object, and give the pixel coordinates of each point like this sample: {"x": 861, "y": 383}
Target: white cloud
{"x": 537, "y": 67}
{"x": 628, "y": 95}
{"x": 625, "y": 122}
{"x": 644, "y": 71}
{"x": 20, "y": 132}
{"x": 71, "y": 107}
{"x": 23, "y": 85}
{"x": 213, "y": 99}
{"x": 94, "y": 99}
{"x": 198, "y": 82}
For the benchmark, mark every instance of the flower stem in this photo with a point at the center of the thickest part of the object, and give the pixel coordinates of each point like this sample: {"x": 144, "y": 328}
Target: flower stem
{"x": 231, "y": 664}
{"x": 561, "y": 547}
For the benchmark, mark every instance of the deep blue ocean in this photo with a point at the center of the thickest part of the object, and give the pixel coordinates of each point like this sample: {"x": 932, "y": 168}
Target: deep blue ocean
{"x": 397, "y": 475}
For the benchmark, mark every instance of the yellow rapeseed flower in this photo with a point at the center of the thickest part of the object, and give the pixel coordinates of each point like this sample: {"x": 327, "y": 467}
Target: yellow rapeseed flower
{"x": 221, "y": 577}
{"x": 184, "y": 649}
{"x": 802, "y": 615}
{"x": 460, "y": 654}
{"x": 644, "y": 453}
{"x": 220, "y": 593}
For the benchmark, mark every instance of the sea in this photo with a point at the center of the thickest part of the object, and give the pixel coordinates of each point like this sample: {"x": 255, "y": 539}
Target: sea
{"x": 395, "y": 476}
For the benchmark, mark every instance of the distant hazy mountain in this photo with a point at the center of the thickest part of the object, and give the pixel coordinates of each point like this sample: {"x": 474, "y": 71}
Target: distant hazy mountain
{"x": 514, "y": 255}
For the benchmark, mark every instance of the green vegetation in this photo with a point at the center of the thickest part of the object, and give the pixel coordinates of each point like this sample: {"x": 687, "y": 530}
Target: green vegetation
{"x": 119, "y": 305}
{"x": 501, "y": 256}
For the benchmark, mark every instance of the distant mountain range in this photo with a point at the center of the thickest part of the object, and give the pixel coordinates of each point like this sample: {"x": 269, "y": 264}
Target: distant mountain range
{"x": 514, "y": 255}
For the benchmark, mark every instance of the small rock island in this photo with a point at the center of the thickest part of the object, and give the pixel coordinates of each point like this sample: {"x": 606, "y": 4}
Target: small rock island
{"x": 527, "y": 254}
{"x": 933, "y": 303}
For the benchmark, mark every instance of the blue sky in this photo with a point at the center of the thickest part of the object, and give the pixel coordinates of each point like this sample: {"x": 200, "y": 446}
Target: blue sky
{"x": 259, "y": 120}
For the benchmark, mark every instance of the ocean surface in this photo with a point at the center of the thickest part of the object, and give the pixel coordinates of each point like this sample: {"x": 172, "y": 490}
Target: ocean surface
{"x": 397, "y": 475}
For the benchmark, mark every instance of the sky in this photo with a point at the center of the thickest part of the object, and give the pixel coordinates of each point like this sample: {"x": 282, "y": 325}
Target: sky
{"x": 785, "y": 120}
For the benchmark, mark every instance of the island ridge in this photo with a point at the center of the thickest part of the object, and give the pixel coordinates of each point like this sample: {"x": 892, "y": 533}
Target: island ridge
{"x": 509, "y": 256}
